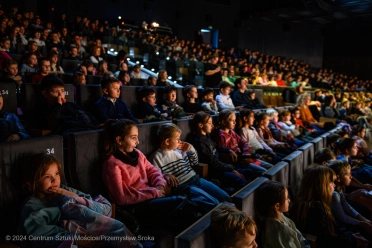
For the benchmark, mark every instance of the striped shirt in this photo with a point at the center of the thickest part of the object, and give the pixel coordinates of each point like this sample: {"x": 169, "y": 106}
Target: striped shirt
{"x": 175, "y": 163}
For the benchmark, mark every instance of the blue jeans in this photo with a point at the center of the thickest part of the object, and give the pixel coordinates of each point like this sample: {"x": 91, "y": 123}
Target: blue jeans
{"x": 319, "y": 130}
{"x": 232, "y": 180}
{"x": 213, "y": 190}
{"x": 256, "y": 169}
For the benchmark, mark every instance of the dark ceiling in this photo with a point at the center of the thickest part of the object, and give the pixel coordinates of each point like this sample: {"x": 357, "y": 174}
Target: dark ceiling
{"x": 306, "y": 11}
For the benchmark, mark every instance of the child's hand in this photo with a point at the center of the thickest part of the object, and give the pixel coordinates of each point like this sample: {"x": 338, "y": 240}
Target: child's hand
{"x": 184, "y": 146}
{"x": 60, "y": 191}
{"x": 171, "y": 180}
{"x": 314, "y": 131}
{"x": 213, "y": 101}
{"x": 367, "y": 187}
{"x": 239, "y": 108}
{"x": 13, "y": 137}
{"x": 238, "y": 174}
{"x": 161, "y": 189}
{"x": 233, "y": 155}
{"x": 361, "y": 242}
{"x": 164, "y": 115}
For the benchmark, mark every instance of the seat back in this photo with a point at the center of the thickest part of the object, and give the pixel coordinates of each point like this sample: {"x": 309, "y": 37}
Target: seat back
{"x": 296, "y": 171}
{"x": 324, "y": 137}
{"x": 12, "y": 155}
{"x": 308, "y": 154}
{"x": 85, "y": 160}
{"x": 147, "y": 135}
{"x": 186, "y": 127}
{"x": 244, "y": 198}
{"x": 197, "y": 235}
{"x": 87, "y": 95}
{"x": 279, "y": 172}
{"x": 8, "y": 90}
{"x": 93, "y": 79}
{"x": 67, "y": 78}
{"x": 138, "y": 81}
{"x": 318, "y": 143}
{"x": 70, "y": 66}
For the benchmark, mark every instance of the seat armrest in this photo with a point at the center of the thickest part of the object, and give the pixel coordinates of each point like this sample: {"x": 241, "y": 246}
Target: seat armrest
{"x": 7, "y": 244}
{"x": 311, "y": 239}
{"x": 202, "y": 170}
{"x": 113, "y": 210}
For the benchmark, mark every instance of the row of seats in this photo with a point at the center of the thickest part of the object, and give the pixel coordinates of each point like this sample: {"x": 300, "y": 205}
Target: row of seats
{"x": 289, "y": 172}
{"x": 85, "y": 96}
{"x": 85, "y": 159}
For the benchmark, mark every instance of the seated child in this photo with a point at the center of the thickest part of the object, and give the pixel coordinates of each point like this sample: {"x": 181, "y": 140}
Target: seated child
{"x": 192, "y": 105}
{"x": 175, "y": 160}
{"x": 61, "y": 214}
{"x": 138, "y": 186}
{"x": 110, "y": 106}
{"x": 208, "y": 152}
{"x": 102, "y": 68}
{"x": 296, "y": 120}
{"x": 263, "y": 121}
{"x": 276, "y": 230}
{"x": 312, "y": 209}
{"x": 286, "y": 125}
{"x": 78, "y": 78}
{"x": 249, "y": 133}
{"x": 147, "y": 107}
{"x": 224, "y": 100}
{"x": 10, "y": 75}
{"x": 87, "y": 68}
{"x": 44, "y": 65}
{"x": 73, "y": 53}
{"x": 11, "y": 128}
{"x": 345, "y": 214}
{"x": 57, "y": 115}
{"x": 231, "y": 227}
{"x": 279, "y": 133}
{"x": 29, "y": 65}
{"x": 209, "y": 103}
{"x": 170, "y": 104}
{"x": 96, "y": 57}
{"x": 241, "y": 154}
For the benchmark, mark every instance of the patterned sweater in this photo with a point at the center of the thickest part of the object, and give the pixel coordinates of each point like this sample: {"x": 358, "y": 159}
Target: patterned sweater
{"x": 175, "y": 163}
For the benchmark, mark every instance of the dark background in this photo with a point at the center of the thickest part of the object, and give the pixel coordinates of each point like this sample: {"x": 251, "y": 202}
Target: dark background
{"x": 328, "y": 34}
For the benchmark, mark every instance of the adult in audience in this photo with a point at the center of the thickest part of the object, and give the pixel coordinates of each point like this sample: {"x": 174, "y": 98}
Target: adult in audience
{"x": 212, "y": 72}
{"x": 162, "y": 78}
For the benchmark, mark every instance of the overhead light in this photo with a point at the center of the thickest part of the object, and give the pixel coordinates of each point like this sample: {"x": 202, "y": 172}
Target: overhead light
{"x": 112, "y": 49}
{"x": 115, "y": 53}
{"x": 152, "y": 69}
{"x": 142, "y": 66}
{"x": 119, "y": 17}
{"x": 128, "y": 58}
{"x": 167, "y": 58}
{"x": 169, "y": 77}
{"x": 157, "y": 53}
{"x": 137, "y": 62}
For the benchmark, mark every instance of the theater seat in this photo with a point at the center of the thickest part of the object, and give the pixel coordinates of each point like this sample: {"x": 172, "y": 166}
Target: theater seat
{"x": 197, "y": 235}
{"x": 12, "y": 155}
{"x": 279, "y": 172}
{"x": 244, "y": 198}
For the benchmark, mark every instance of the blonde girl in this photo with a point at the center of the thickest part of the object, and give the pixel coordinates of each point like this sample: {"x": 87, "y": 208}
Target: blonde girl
{"x": 175, "y": 159}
